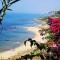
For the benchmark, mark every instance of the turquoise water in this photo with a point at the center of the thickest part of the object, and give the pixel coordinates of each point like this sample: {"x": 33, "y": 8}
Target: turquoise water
{"x": 12, "y": 31}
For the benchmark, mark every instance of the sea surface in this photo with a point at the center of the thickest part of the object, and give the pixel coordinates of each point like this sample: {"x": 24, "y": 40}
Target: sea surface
{"x": 12, "y": 31}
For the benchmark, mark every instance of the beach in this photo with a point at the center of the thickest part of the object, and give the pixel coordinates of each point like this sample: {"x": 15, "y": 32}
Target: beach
{"x": 22, "y": 49}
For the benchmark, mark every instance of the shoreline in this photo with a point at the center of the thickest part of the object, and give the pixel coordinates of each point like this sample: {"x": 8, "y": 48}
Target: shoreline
{"x": 22, "y": 50}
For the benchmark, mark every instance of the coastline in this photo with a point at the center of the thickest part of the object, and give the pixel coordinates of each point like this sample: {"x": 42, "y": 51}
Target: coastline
{"x": 22, "y": 50}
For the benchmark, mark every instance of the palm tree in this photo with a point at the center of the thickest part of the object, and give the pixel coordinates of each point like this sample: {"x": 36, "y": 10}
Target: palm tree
{"x": 5, "y": 6}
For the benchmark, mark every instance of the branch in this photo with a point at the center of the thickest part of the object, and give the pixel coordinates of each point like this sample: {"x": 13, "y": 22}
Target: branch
{"x": 5, "y": 6}
{"x": 13, "y": 2}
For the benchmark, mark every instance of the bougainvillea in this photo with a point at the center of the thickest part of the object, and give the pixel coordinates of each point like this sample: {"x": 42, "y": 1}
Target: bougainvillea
{"x": 55, "y": 28}
{"x": 54, "y": 24}
{"x": 51, "y": 49}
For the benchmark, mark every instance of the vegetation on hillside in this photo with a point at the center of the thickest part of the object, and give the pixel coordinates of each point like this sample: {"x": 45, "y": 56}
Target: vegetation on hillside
{"x": 46, "y": 51}
{"x": 49, "y": 50}
{"x": 52, "y": 14}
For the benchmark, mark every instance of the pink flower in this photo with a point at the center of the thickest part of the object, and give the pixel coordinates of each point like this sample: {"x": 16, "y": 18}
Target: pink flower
{"x": 59, "y": 40}
{"x": 55, "y": 24}
{"x": 54, "y": 45}
{"x": 59, "y": 25}
{"x": 54, "y": 28}
{"x": 55, "y": 20}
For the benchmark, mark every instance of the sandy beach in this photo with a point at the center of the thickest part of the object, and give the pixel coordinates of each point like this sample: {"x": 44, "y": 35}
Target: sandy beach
{"x": 22, "y": 50}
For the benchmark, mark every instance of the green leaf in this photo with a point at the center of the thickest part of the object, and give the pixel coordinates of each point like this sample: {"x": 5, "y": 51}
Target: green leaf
{"x": 9, "y": 9}
{"x": 14, "y": 1}
{"x": 0, "y": 11}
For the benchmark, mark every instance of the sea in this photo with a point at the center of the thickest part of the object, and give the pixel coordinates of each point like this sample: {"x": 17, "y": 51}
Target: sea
{"x": 12, "y": 31}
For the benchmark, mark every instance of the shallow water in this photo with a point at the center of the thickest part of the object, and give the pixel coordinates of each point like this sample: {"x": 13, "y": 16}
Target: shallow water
{"x": 12, "y": 31}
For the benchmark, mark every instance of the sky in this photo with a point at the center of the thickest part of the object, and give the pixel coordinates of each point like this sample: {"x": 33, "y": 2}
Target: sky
{"x": 36, "y": 6}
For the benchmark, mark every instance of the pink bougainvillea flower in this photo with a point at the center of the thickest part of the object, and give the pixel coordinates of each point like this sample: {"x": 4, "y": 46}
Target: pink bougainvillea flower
{"x": 55, "y": 20}
{"x": 59, "y": 40}
{"x": 55, "y": 24}
{"x": 55, "y": 46}
{"x": 58, "y": 24}
{"x": 54, "y": 28}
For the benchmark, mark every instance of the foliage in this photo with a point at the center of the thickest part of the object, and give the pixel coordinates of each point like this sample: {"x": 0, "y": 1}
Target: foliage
{"x": 50, "y": 50}
{"x": 5, "y": 6}
{"x": 46, "y": 51}
{"x": 57, "y": 14}
{"x": 33, "y": 42}
{"x": 43, "y": 50}
{"x": 55, "y": 36}
{"x": 43, "y": 19}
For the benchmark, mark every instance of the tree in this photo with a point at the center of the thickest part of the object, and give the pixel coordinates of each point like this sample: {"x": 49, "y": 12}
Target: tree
{"x": 5, "y": 6}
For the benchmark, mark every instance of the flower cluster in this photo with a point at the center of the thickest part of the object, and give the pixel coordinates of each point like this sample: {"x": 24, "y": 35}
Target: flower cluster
{"x": 54, "y": 24}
